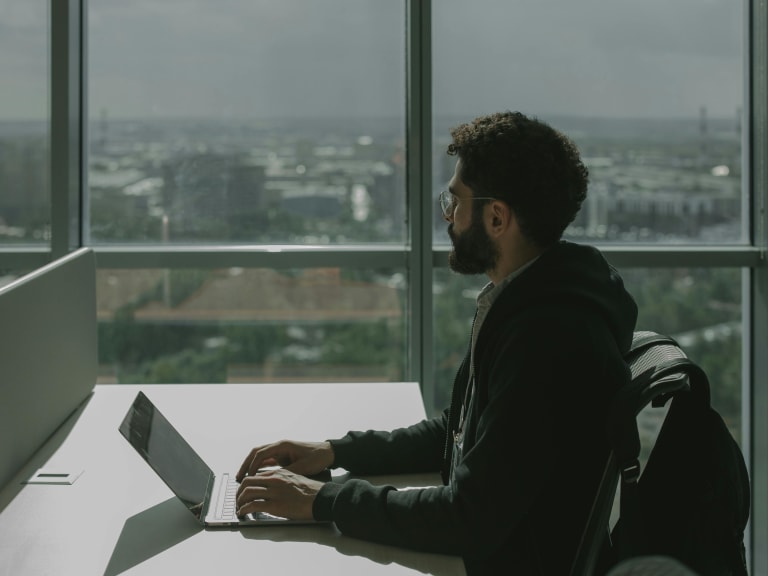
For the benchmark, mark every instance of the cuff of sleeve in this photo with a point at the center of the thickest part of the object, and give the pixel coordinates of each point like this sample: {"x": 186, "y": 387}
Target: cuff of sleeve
{"x": 339, "y": 447}
{"x": 322, "y": 507}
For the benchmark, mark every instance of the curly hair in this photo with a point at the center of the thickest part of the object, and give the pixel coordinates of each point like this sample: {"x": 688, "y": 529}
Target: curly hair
{"x": 527, "y": 164}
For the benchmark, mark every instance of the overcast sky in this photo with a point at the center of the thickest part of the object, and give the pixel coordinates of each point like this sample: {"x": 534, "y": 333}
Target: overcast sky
{"x": 254, "y": 58}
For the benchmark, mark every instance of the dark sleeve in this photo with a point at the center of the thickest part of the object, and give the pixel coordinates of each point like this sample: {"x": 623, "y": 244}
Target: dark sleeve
{"x": 498, "y": 481}
{"x": 419, "y": 519}
{"x": 417, "y": 448}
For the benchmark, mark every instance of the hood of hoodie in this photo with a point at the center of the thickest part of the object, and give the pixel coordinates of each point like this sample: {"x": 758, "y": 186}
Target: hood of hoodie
{"x": 574, "y": 275}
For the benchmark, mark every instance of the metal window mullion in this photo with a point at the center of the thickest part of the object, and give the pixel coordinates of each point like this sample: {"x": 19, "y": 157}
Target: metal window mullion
{"x": 212, "y": 256}
{"x": 756, "y": 305}
{"x": 83, "y": 219}
{"x": 66, "y": 54}
{"x": 23, "y": 258}
{"x": 419, "y": 186}
{"x": 223, "y": 256}
{"x": 624, "y": 256}
{"x": 757, "y": 415}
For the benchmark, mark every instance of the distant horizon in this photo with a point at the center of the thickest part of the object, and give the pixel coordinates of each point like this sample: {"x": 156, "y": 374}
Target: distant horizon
{"x": 332, "y": 117}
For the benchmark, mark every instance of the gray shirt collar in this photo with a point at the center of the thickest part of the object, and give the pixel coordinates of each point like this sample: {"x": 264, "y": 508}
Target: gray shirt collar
{"x": 487, "y": 297}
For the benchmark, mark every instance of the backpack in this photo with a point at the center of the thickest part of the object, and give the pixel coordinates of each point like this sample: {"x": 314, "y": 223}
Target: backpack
{"x": 692, "y": 500}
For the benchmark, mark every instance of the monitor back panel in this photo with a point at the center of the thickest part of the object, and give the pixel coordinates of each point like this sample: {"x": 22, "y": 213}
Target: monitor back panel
{"x": 48, "y": 354}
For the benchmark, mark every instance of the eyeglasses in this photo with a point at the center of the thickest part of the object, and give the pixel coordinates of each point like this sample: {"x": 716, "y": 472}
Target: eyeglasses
{"x": 448, "y": 201}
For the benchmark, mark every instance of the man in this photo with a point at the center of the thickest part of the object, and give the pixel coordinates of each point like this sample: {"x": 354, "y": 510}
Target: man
{"x": 522, "y": 446}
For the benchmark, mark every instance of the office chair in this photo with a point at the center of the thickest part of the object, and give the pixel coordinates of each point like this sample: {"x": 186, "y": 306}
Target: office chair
{"x": 651, "y": 566}
{"x": 659, "y": 369}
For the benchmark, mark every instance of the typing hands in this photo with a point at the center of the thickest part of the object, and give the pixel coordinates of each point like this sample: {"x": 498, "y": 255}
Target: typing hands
{"x": 282, "y": 491}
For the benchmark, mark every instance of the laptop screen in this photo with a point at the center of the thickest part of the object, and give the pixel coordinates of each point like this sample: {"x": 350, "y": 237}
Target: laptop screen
{"x": 164, "y": 449}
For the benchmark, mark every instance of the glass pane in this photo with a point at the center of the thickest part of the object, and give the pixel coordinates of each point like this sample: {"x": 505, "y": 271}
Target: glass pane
{"x": 247, "y": 121}
{"x": 24, "y": 123}
{"x": 651, "y": 92}
{"x": 700, "y": 308}
{"x": 251, "y": 325}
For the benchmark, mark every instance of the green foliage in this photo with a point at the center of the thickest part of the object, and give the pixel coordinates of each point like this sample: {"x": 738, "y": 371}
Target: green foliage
{"x": 187, "y": 366}
{"x": 721, "y": 360}
{"x": 454, "y": 305}
{"x": 372, "y": 343}
{"x": 701, "y": 308}
{"x": 671, "y": 301}
{"x": 156, "y": 351}
{"x": 184, "y": 283}
{"x": 124, "y": 341}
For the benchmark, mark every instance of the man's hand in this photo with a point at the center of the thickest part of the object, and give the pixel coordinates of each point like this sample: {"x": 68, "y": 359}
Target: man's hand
{"x": 306, "y": 458}
{"x": 279, "y": 492}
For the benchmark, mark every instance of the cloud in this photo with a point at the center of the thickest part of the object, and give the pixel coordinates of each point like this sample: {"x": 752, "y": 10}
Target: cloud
{"x": 24, "y": 59}
{"x": 347, "y": 57}
{"x": 250, "y": 58}
{"x": 592, "y": 57}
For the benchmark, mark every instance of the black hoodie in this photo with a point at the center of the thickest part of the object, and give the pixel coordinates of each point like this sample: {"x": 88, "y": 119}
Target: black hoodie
{"x": 548, "y": 359}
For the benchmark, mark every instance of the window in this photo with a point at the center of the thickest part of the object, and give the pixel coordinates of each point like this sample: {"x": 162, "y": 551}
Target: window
{"x": 216, "y": 129}
{"x": 251, "y": 325}
{"x": 242, "y": 145}
{"x": 24, "y": 123}
{"x": 237, "y": 135}
{"x": 651, "y": 92}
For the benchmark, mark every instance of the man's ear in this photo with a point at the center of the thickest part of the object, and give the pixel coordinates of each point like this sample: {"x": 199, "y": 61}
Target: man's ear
{"x": 500, "y": 218}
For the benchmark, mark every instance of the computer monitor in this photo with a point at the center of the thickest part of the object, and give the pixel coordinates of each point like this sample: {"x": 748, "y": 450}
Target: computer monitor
{"x": 48, "y": 353}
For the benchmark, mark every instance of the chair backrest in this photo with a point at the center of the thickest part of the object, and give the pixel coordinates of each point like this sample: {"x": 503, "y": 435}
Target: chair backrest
{"x": 659, "y": 370}
{"x": 692, "y": 502}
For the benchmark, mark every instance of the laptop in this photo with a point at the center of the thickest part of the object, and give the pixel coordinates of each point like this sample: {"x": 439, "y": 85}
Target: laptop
{"x": 209, "y": 497}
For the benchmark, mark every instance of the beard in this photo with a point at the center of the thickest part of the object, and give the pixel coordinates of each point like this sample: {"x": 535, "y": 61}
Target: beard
{"x": 473, "y": 250}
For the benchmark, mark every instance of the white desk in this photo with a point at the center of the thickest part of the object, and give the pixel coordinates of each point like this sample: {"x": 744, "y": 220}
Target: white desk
{"x": 120, "y": 518}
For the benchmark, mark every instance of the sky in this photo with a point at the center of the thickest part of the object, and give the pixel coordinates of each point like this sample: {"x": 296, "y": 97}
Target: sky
{"x": 346, "y": 58}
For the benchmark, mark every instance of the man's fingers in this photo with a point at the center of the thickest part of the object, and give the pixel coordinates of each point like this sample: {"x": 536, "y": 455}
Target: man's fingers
{"x": 257, "y": 490}
{"x": 253, "y": 462}
{"x": 250, "y": 491}
{"x": 302, "y": 458}
{"x": 278, "y": 492}
{"x": 256, "y": 485}
{"x": 258, "y": 457}
{"x": 245, "y": 465}
{"x": 256, "y": 506}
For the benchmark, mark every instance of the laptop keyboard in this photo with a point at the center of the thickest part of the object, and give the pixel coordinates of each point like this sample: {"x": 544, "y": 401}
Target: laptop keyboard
{"x": 226, "y": 505}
